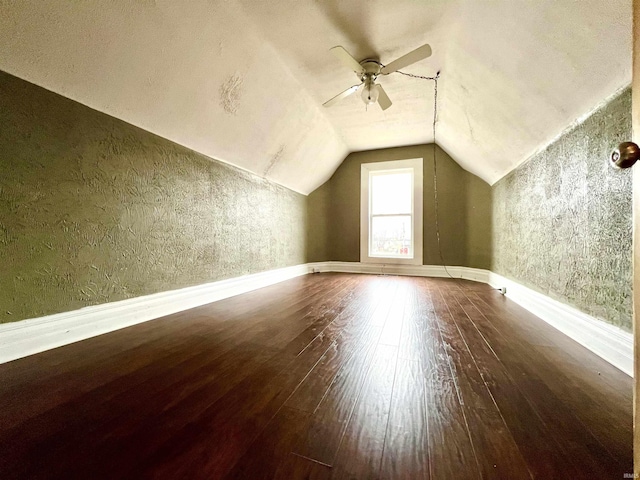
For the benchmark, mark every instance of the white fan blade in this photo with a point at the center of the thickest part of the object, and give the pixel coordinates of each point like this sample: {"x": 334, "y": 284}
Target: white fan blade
{"x": 347, "y": 59}
{"x": 383, "y": 98}
{"x": 411, "y": 57}
{"x": 342, "y": 95}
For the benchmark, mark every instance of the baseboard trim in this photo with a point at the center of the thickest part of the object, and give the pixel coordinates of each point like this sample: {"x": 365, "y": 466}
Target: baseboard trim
{"x": 27, "y": 337}
{"x": 607, "y": 341}
{"x": 466, "y": 273}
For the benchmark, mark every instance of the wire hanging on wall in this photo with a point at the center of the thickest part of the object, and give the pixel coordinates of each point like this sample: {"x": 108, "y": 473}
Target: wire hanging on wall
{"x": 435, "y": 165}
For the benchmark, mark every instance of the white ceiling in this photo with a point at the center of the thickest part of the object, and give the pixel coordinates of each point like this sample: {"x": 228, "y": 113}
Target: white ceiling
{"x": 244, "y": 81}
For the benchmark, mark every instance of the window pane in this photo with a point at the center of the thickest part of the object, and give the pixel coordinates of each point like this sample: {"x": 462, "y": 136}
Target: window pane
{"x": 391, "y": 193}
{"x": 391, "y": 236}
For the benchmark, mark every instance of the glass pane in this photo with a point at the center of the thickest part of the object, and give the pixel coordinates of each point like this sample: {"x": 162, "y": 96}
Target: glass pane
{"x": 391, "y": 236}
{"x": 391, "y": 193}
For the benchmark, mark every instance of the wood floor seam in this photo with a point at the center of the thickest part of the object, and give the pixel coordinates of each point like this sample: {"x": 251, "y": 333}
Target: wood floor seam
{"x": 328, "y": 376}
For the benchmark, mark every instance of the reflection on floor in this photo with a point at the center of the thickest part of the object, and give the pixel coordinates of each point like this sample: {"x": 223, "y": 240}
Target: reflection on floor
{"x": 323, "y": 376}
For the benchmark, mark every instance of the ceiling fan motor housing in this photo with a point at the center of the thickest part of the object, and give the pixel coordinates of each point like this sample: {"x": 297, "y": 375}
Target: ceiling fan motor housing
{"x": 371, "y": 70}
{"x": 367, "y": 72}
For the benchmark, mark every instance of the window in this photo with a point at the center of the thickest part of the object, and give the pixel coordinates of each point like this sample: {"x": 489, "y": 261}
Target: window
{"x": 391, "y": 212}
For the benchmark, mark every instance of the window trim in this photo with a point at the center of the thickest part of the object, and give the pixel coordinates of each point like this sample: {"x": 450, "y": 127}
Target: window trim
{"x": 415, "y": 164}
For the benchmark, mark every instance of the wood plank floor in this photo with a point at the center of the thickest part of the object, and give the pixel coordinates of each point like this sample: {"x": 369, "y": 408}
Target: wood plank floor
{"x": 327, "y": 376}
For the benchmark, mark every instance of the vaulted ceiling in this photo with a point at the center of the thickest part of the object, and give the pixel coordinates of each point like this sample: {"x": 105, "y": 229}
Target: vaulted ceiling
{"x": 244, "y": 81}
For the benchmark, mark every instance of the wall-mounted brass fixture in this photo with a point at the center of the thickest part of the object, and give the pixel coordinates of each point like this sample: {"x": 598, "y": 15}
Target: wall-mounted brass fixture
{"x": 625, "y": 155}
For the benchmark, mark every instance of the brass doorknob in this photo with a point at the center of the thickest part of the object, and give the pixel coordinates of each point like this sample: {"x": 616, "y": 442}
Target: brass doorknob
{"x": 625, "y": 155}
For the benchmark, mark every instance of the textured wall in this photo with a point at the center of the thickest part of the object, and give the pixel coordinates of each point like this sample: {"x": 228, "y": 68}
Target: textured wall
{"x": 94, "y": 210}
{"x": 463, "y": 216}
{"x": 562, "y": 221}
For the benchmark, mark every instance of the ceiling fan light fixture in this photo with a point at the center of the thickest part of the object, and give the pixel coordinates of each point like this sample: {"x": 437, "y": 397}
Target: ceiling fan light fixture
{"x": 370, "y": 93}
{"x": 368, "y": 70}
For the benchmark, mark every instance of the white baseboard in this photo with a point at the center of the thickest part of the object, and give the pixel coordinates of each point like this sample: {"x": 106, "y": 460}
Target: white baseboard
{"x": 605, "y": 340}
{"x": 28, "y": 337}
{"x": 467, "y": 273}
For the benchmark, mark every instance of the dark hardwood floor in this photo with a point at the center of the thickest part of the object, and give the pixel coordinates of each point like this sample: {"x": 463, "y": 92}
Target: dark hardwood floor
{"x": 325, "y": 376}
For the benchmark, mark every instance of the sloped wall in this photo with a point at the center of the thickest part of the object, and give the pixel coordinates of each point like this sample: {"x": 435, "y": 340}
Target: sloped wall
{"x": 562, "y": 221}
{"x": 94, "y": 210}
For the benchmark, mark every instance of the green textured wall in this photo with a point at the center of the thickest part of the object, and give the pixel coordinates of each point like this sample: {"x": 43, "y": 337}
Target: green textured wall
{"x": 94, "y": 210}
{"x": 464, "y": 209}
{"x": 562, "y": 221}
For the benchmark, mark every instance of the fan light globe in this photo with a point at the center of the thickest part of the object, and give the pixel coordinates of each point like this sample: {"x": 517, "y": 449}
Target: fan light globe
{"x": 370, "y": 93}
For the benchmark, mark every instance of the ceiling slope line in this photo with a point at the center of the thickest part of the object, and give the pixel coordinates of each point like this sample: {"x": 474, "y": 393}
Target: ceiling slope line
{"x": 568, "y": 129}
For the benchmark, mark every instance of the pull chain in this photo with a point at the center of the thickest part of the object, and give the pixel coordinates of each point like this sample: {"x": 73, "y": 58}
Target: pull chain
{"x": 435, "y": 167}
{"x": 435, "y": 170}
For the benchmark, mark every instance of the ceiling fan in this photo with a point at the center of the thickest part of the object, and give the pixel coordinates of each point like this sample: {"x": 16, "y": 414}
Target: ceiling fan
{"x": 368, "y": 70}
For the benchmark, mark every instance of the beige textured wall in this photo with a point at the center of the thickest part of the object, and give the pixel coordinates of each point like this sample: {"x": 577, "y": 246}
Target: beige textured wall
{"x": 463, "y": 203}
{"x": 94, "y": 210}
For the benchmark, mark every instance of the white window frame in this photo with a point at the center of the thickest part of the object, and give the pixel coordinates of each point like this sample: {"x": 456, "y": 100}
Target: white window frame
{"x": 415, "y": 166}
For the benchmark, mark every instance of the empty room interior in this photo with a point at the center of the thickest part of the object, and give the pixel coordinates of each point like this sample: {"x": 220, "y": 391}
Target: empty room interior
{"x": 316, "y": 239}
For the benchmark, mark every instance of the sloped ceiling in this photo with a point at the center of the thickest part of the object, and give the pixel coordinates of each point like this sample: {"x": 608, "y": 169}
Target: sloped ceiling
{"x": 244, "y": 81}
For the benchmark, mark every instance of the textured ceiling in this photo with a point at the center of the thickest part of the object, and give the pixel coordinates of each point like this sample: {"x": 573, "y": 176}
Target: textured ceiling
{"x": 244, "y": 81}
